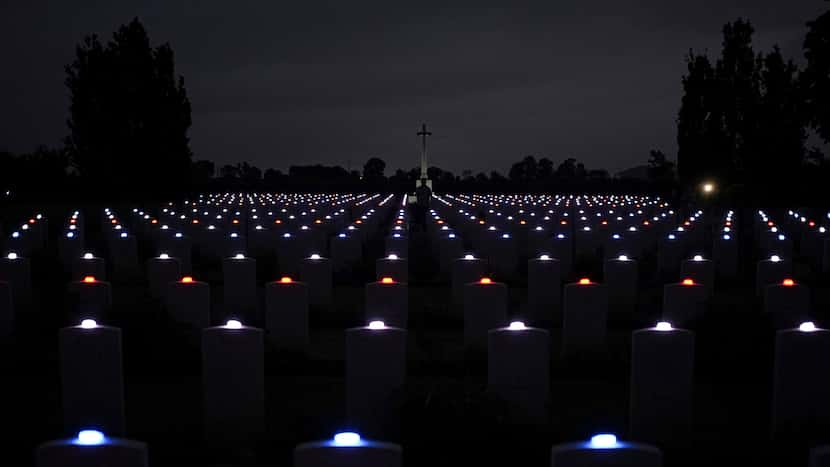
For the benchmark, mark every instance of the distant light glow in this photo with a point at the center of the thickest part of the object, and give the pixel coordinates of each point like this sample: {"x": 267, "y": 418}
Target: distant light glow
{"x": 89, "y": 324}
{"x": 788, "y": 283}
{"x": 663, "y": 326}
{"x": 517, "y": 326}
{"x": 377, "y": 325}
{"x": 688, "y": 282}
{"x": 485, "y": 280}
{"x": 807, "y": 326}
{"x": 387, "y": 280}
{"x": 90, "y": 438}
{"x": 89, "y": 279}
{"x": 70, "y": 235}
{"x": 727, "y": 237}
{"x": 603, "y": 441}
{"x": 187, "y": 279}
{"x": 584, "y": 281}
{"x": 233, "y": 324}
{"x": 286, "y": 280}
{"x": 347, "y": 438}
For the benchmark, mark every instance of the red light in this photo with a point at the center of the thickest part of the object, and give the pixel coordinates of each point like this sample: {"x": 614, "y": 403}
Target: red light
{"x": 788, "y": 283}
{"x": 286, "y": 280}
{"x": 688, "y": 282}
{"x": 187, "y": 279}
{"x": 358, "y": 221}
{"x": 584, "y": 281}
{"x": 811, "y": 224}
{"x": 439, "y": 222}
{"x": 387, "y": 280}
{"x": 89, "y": 279}
{"x": 604, "y": 222}
{"x": 278, "y": 221}
{"x": 770, "y": 223}
{"x": 31, "y": 221}
{"x": 485, "y": 280}
{"x": 195, "y": 221}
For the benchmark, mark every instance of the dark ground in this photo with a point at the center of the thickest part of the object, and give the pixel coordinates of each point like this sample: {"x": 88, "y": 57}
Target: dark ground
{"x": 446, "y": 417}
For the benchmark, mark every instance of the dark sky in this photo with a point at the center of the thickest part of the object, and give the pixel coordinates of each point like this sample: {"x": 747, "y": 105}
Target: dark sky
{"x": 282, "y": 83}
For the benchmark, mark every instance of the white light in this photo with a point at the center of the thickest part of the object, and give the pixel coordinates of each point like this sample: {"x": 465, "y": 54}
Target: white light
{"x": 234, "y": 235}
{"x": 517, "y": 326}
{"x": 239, "y": 256}
{"x": 781, "y": 237}
{"x": 233, "y": 324}
{"x": 671, "y": 237}
{"x": 560, "y": 236}
{"x": 727, "y": 237}
{"x": 90, "y": 438}
{"x": 808, "y": 326}
{"x": 468, "y": 257}
{"x": 775, "y": 258}
{"x": 544, "y": 257}
{"x": 70, "y": 235}
{"x": 663, "y": 326}
{"x": 377, "y": 325}
{"x": 697, "y": 258}
{"x": 392, "y": 257}
{"x": 314, "y": 256}
{"x": 123, "y": 234}
{"x": 89, "y": 324}
{"x": 12, "y": 256}
{"x": 622, "y": 258}
{"x": 179, "y": 235}
{"x": 603, "y": 441}
{"x": 347, "y": 439}
{"x": 88, "y": 256}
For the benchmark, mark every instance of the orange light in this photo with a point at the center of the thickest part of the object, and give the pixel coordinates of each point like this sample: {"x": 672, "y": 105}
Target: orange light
{"x": 278, "y": 221}
{"x": 387, "y": 280}
{"x": 235, "y": 221}
{"x": 481, "y": 222}
{"x": 318, "y": 221}
{"x": 195, "y": 221}
{"x": 728, "y": 224}
{"x": 154, "y": 221}
{"x": 604, "y": 222}
{"x": 358, "y": 221}
{"x": 522, "y": 222}
{"x": 645, "y": 223}
{"x": 399, "y": 222}
{"x": 788, "y": 282}
{"x": 688, "y": 282}
{"x": 89, "y": 279}
{"x": 187, "y": 279}
{"x": 584, "y": 281}
{"x": 485, "y": 280}
{"x": 770, "y": 223}
{"x": 31, "y": 221}
{"x": 286, "y": 280}
{"x": 113, "y": 221}
{"x": 563, "y": 222}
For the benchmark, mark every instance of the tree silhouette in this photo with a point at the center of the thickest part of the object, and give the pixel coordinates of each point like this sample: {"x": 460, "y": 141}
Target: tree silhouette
{"x": 660, "y": 169}
{"x": 373, "y": 170}
{"x": 816, "y": 75}
{"x": 129, "y": 114}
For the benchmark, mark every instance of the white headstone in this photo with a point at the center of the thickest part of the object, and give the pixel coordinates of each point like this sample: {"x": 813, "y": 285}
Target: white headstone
{"x": 584, "y": 318}
{"x": 485, "y": 308}
{"x": 387, "y": 300}
{"x": 286, "y": 314}
{"x": 518, "y": 370}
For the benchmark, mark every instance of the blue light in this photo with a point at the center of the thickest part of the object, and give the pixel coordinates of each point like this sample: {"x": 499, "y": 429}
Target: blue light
{"x": 342, "y": 235}
{"x": 70, "y": 235}
{"x": 671, "y": 237}
{"x": 347, "y": 438}
{"x": 560, "y": 236}
{"x": 603, "y": 441}
{"x": 726, "y": 237}
{"x": 90, "y": 438}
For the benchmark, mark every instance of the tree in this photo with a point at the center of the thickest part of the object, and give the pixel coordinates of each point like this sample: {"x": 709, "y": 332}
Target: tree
{"x": 567, "y": 169}
{"x": 524, "y": 171}
{"x": 373, "y": 170}
{"x": 129, "y": 114}
{"x": 660, "y": 169}
{"x": 815, "y": 79}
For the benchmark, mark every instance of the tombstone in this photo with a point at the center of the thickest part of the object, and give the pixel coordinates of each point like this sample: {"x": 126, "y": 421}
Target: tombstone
{"x": 70, "y": 246}
{"x": 771, "y": 271}
{"x": 286, "y": 314}
{"x": 539, "y": 242}
{"x": 235, "y": 244}
{"x": 91, "y": 448}
{"x": 91, "y": 298}
{"x": 562, "y": 246}
{"x": 345, "y": 251}
{"x": 17, "y": 271}
{"x": 387, "y": 300}
{"x": 669, "y": 252}
{"x": 701, "y": 270}
{"x": 725, "y": 254}
{"x": 392, "y": 266}
{"x": 347, "y": 450}
{"x": 92, "y": 381}
{"x": 161, "y": 271}
{"x": 684, "y": 303}
{"x": 188, "y": 302}
{"x": 825, "y": 257}
{"x": 450, "y": 247}
{"x": 397, "y": 244}
{"x": 6, "y": 310}
{"x": 801, "y": 408}
{"x": 375, "y": 374}
{"x": 316, "y": 272}
{"x": 780, "y": 245}
{"x": 465, "y": 270}
{"x": 518, "y": 370}
{"x": 485, "y": 308}
{"x": 240, "y": 286}
{"x": 289, "y": 253}
{"x": 181, "y": 247}
{"x": 620, "y": 277}
{"x": 662, "y": 367}
{"x": 504, "y": 256}
{"x": 605, "y": 450}
{"x": 544, "y": 286}
{"x": 585, "y": 314}
{"x": 788, "y": 303}
{"x": 820, "y": 456}
{"x": 233, "y": 377}
{"x": 587, "y": 243}
{"x": 89, "y": 265}
{"x": 124, "y": 256}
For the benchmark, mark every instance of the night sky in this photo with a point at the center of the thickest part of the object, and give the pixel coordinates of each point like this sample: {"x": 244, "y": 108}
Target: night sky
{"x": 282, "y": 83}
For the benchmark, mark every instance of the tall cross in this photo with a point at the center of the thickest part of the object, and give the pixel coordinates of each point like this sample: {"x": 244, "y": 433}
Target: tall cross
{"x": 423, "y": 134}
